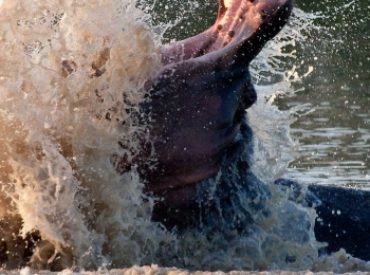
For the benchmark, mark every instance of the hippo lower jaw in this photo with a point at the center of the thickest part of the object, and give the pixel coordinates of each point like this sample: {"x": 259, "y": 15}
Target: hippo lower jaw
{"x": 198, "y": 101}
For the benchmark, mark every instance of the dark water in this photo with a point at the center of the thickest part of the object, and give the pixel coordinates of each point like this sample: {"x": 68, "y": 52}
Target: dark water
{"x": 334, "y": 139}
{"x": 333, "y": 135}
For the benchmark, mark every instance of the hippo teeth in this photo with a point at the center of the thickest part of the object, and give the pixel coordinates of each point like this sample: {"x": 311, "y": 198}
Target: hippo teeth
{"x": 227, "y": 3}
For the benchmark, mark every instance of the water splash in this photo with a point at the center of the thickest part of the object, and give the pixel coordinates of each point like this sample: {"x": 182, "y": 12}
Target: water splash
{"x": 276, "y": 75}
{"x": 70, "y": 81}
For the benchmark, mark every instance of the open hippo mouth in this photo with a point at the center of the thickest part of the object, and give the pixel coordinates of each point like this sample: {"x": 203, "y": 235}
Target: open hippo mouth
{"x": 197, "y": 102}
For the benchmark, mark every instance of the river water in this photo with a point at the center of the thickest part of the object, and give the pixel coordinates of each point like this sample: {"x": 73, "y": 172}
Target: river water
{"x": 64, "y": 122}
{"x": 334, "y": 138}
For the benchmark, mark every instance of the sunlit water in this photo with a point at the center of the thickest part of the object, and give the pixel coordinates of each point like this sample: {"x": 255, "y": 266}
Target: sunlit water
{"x": 71, "y": 76}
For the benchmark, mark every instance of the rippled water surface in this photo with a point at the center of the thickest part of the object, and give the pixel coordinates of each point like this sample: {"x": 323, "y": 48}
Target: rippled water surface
{"x": 334, "y": 137}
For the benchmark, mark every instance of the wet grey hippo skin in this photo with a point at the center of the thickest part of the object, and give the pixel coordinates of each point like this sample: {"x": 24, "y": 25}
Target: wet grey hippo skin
{"x": 343, "y": 216}
{"x": 199, "y": 128}
{"x": 197, "y": 103}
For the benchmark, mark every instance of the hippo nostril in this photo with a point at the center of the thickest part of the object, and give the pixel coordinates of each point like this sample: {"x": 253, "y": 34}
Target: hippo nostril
{"x": 231, "y": 33}
{"x": 219, "y": 27}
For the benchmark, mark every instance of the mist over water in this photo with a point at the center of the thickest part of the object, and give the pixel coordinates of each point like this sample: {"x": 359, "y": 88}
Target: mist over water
{"x": 72, "y": 75}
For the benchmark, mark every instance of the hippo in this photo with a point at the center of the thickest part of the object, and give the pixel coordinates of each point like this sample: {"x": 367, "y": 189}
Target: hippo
{"x": 197, "y": 102}
{"x": 198, "y": 125}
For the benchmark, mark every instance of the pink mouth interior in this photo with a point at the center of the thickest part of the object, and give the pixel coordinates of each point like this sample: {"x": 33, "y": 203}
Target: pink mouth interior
{"x": 240, "y": 19}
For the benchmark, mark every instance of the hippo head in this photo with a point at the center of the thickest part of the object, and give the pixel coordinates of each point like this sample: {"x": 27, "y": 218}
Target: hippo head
{"x": 197, "y": 102}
